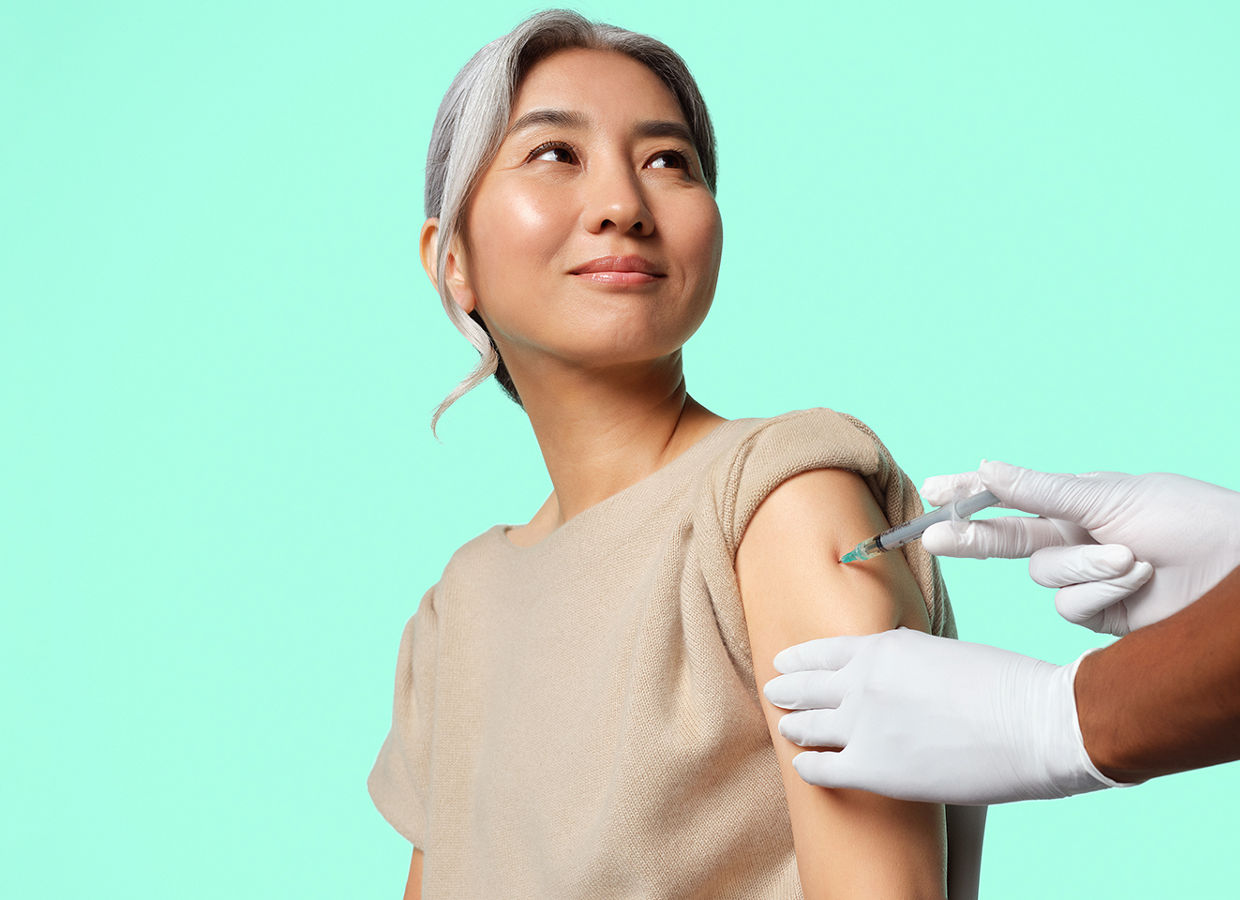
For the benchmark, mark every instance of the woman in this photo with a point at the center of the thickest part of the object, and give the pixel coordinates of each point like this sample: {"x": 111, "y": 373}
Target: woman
{"x": 577, "y": 711}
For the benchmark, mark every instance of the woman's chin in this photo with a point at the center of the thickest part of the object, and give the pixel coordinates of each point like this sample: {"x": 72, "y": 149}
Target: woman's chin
{"x": 629, "y": 338}
{"x": 624, "y": 348}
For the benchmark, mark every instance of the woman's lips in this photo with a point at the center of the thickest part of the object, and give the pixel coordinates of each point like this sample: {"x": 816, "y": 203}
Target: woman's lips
{"x": 617, "y": 277}
{"x": 618, "y": 270}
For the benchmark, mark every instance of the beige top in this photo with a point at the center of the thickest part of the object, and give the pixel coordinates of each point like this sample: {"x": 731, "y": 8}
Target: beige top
{"x": 579, "y": 719}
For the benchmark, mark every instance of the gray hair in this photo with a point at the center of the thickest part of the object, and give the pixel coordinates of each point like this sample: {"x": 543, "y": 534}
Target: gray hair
{"x": 470, "y": 127}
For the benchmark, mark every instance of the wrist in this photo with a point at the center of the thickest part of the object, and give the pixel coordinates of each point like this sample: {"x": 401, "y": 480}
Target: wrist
{"x": 1086, "y": 769}
{"x": 1097, "y": 727}
{"x": 1042, "y": 710}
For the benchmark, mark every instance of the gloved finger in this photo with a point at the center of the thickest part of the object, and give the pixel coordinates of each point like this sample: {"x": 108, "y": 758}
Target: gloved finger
{"x": 825, "y": 768}
{"x": 1079, "y": 603}
{"x": 942, "y": 489}
{"x": 1052, "y": 494}
{"x": 1056, "y": 567}
{"x": 1007, "y": 537}
{"x": 811, "y": 689}
{"x": 815, "y": 728}
{"x": 823, "y": 653}
{"x": 1070, "y": 533}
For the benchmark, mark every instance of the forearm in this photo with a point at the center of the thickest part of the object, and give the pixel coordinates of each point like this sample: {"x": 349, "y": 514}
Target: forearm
{"x": 1166, "y": 698}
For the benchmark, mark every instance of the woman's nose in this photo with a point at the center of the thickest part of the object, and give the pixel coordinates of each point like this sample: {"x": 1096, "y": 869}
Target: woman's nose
{"x": 615, "y": 200}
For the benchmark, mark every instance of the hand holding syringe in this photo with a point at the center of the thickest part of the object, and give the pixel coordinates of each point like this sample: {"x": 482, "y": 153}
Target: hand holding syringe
{"x": 1098, "y": 538}
{"x": 1124, "y": 550}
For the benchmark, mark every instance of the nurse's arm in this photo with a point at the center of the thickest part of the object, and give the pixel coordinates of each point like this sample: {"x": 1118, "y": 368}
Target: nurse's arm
{"x": 1166, "y": 698}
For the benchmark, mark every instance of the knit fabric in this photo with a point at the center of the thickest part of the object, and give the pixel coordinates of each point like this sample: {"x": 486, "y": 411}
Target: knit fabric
{"x": 579, "y": 718}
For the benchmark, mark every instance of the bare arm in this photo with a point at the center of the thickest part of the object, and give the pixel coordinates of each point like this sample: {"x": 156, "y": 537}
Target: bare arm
{"x": 849, "y": 843}
{"x": 413, "y": 887}
{"x": 1183, "y": 674}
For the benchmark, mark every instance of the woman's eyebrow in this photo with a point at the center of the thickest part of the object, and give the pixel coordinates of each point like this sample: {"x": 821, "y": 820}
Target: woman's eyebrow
{"x": 564, "y": 118}
{"x": 668, "y": 129}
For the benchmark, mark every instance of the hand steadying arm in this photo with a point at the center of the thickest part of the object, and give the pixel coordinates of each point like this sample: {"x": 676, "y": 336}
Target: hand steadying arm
{"x": 930, "y": 719}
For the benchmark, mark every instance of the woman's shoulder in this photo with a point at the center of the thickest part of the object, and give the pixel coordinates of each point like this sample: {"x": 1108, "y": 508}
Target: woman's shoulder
{"x": 767, "y": 453}
{"x": 474, "y": 558}
{"x": 804, "y": 438}
{"x": 763, "y": 453}
{"x": 817, "y": 421}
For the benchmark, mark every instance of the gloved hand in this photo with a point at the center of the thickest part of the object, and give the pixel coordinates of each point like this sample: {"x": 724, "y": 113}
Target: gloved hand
{"x": 1124, "y": 550}
{"x": 932, "y": 719}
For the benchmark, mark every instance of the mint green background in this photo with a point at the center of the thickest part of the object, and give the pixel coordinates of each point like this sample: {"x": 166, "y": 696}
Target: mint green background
{"x": 986, "y": 229}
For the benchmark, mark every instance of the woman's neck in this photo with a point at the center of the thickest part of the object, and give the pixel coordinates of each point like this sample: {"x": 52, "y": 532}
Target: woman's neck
{"x": 601, "y": 432}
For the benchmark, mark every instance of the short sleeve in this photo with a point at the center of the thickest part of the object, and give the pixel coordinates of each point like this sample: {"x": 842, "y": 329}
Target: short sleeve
{"x": 785, "y": 446}
{"x": 400, "y": 779}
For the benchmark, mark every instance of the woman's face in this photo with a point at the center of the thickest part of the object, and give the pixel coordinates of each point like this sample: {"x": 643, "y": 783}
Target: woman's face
{"x": 592, "y": 237}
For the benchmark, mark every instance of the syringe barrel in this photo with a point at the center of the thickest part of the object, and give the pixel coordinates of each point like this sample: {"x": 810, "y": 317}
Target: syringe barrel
{"x": 911, "y": 531}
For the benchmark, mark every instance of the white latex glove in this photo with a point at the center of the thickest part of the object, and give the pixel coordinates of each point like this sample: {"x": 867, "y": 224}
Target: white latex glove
{"x": 932, "y": 719}
{"x": 1124, "y": 550}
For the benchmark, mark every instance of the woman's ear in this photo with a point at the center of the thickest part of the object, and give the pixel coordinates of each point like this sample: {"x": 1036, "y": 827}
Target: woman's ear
{"x": 454, "y": 273}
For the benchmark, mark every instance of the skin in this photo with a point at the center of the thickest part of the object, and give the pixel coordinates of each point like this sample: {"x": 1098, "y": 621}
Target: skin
{"x": 1182, "y": 673}
{"x": 413, "y": 884}
{"x": 598, "y": 367}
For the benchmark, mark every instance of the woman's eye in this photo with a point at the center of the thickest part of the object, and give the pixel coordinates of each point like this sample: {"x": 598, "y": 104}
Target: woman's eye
{"x": 670, "y": 159}
{"x": 553, "y": 153}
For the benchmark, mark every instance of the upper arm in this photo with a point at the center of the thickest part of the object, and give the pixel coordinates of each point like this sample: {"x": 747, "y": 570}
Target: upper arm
{"x": 848, "y": 842}
{"x": 413, "y": 887}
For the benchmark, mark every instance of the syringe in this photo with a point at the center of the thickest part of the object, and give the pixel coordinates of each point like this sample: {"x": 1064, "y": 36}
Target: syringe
{"x": 911, "y": 531}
